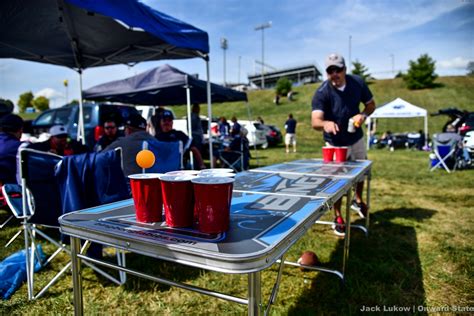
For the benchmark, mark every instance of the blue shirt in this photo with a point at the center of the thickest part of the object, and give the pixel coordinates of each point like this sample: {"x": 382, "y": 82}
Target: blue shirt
{"x": 340, "y": 106}
{"x": 290, "y": 125}
{"x": 8, "y": 148}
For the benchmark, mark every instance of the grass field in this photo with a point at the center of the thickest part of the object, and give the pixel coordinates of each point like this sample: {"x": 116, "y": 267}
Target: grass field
{"x": 419, "y": 251}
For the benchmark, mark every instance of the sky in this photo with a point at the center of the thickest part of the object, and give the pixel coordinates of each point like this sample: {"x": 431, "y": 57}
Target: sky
{"x": 383, "y": 35}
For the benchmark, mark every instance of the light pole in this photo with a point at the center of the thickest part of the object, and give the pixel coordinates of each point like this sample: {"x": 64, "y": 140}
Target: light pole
{"x": 262, "y": 28}
{"x": 224, "y": 47}
{"x": 238, "y": 79}
{"x": 66, "y": 84}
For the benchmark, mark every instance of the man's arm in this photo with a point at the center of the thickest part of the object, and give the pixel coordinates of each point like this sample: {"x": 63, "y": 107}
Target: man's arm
{"x": 360, "y": 118}
{"x": 318, "y": 123}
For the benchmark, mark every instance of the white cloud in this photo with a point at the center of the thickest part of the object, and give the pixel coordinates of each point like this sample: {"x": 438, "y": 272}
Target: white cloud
{"x": 456, "y": 63}
{"x": 49, "y": 93}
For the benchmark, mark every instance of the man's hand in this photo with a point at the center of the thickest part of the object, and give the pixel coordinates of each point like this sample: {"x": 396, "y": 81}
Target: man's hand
{"x": 330, "y": 127}
{"x": 359, "y": 119}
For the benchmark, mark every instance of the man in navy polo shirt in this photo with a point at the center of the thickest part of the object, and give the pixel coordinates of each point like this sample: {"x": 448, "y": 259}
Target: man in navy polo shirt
{"x": 336, "y": 112}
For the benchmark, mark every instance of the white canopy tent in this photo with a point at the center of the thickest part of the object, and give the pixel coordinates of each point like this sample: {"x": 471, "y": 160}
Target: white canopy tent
{"x": 398, "y": 108}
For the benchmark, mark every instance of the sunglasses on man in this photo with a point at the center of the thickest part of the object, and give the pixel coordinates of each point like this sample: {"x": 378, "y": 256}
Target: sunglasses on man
{"x": 332, "y": 70}
{"x": 110, "y": 127}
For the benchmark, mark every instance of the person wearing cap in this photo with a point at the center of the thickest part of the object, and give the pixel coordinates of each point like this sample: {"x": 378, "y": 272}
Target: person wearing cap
{"x": 59, "y": 143}
{"x": 168, "y": 134}
{"x": 336, "y": 103}
{"x": 110, "y": 135}
{"x": 132, "y": 143}
{"x": 11, "y": 128}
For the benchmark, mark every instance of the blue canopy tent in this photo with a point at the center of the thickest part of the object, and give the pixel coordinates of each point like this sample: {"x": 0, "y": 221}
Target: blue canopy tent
{"x": 88, "y": 33}
{"x": 162, "y": 85}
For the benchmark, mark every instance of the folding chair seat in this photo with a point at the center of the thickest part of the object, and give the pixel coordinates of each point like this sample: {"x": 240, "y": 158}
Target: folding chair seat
{"x": 238, "y": 160}
{"x": 168, "y": 156}
{"x": 445, "y": 147}
{"x": 3, "y": 204}
{"x": 40, "y": 204}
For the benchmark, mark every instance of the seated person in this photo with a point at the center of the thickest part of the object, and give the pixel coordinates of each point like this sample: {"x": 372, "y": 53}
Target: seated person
{"x": 132, "y": 143}
{"x": 59, "y": 143}
{"x": 110, "y": 135}
{"x": 168, "y": 134}
{"x": 11, "y": 128}
{"x": 239, "y": 144}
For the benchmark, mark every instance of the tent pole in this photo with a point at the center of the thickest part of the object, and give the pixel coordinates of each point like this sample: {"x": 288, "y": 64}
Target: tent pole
{"x": 190, "y": 130}
{"x": 80, "y": 127}
{"x": 209, "y": 113}
{"x": 369, "y": 123}
{"x": 426, "y": 130}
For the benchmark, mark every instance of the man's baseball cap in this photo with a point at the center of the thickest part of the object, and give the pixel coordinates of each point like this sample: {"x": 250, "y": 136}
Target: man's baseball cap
{"x": 58, "y": 130}
{"x": 11, "y": 122}
{"x": 336, "y": 60}
{"x": 136, "y": 121}
{"x": 166, "y": 114}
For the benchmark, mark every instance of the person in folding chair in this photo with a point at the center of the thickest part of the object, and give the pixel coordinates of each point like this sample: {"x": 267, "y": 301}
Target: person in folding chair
{"x": 11, "y": 128}
{"x": 237, "y": 154}
{"x": 166, "y": 133}
{"x": 447, "y": 150}
{"x": 131, "y": 144}
{"x": 335, "y": 104}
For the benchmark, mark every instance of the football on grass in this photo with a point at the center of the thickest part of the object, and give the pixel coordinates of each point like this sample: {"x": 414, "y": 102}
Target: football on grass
{"x": 308, "y": 258}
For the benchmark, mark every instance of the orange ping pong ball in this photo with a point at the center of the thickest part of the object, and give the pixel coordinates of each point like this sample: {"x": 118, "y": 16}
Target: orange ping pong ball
{"x": 145, "y": 158}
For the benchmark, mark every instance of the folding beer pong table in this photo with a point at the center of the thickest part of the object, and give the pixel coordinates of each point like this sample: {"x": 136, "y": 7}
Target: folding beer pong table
{"x": 270, "y": 212}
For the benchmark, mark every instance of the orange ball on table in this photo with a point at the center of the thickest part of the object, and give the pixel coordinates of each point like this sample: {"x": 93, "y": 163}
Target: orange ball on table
{"x": 145, "y": 159}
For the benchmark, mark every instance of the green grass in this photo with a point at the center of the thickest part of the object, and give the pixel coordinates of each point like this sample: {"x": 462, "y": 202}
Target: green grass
{"x": 419, "y": 251}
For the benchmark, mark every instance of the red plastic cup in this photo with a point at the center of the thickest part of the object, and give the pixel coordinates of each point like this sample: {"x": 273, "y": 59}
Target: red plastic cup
{"x": 212, "y": 199}
{"x": 328, "y": 153}
{"x": 178, "y": 200}
{"x": 341, "y": 154}
{"x": 146, "y": 193}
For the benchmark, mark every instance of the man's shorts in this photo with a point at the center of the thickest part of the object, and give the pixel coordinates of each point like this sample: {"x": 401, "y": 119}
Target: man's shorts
{"x": 290, "y": 139}
{"x": 356, "y": 151}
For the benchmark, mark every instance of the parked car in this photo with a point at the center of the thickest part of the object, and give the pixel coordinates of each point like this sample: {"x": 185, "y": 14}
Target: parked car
{"x": 256, "y": 133}
{"x": 468, "y": 124}
{"x": 94, "y": 116}
{"x": 273, "y": 135}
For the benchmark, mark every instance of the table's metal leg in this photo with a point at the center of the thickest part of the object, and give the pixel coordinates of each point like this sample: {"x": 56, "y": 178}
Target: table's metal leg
{"x": 76, "y": 275}
{"x": 367, "y": 219}
{"x": 347, "y": 236}
{"x": 254, "y": 293}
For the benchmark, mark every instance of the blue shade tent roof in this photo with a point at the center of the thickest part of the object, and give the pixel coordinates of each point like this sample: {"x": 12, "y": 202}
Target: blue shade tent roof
{"x": 87, "y": 33}
{"x": 163, "y": 85}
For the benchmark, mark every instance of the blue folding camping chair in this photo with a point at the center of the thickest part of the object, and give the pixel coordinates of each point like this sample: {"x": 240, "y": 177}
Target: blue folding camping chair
{"x": 445, "y": 147}
{"x": 38, "y": 203}
{"x": 168, "y": 156}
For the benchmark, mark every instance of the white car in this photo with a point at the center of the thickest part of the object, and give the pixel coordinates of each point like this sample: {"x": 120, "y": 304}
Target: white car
{"x": 256, "y": 133}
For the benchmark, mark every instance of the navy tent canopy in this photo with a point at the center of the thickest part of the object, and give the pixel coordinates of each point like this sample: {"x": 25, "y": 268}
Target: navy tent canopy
{"x": 86, "y": 33}
{"x": 163, "y": 85}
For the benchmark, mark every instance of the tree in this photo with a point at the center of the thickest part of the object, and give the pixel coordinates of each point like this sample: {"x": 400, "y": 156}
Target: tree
{"x": 360, "y": 70}
{"x": 470, "y": 68}
{"x": 41, "y": 103}
{"x": 283, "y": 86}
{"x": 421, "y": 74}
{"x": 25, "y": 101}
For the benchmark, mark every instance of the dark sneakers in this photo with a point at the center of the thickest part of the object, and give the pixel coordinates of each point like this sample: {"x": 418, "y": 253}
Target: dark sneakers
{"x": 360, "y": 208}
{"x": 339, "y": 226}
